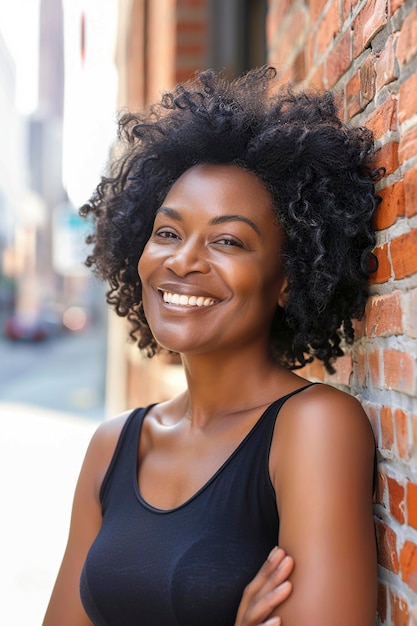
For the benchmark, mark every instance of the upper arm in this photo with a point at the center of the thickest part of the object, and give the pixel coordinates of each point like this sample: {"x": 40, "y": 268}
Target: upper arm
{"x": 323, "y": 469}
{"x": 65, "y": 606}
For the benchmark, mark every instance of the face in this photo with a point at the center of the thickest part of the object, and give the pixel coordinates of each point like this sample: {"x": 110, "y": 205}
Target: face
{"x": 211, "y": 271}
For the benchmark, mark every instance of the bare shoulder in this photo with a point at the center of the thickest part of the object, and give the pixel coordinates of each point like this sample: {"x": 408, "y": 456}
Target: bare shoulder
{"x": 324, "y": 407}
{"x": 322, "y": 427}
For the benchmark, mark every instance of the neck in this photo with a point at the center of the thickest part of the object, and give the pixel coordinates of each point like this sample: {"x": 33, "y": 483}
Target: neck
{"x": 226, "y": 384}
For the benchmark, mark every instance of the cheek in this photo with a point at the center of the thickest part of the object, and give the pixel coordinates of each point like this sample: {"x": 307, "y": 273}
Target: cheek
{"x": 144, "y": 265}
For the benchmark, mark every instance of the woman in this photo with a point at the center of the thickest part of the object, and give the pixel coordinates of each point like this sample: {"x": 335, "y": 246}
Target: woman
{"x": 235, "y": 230}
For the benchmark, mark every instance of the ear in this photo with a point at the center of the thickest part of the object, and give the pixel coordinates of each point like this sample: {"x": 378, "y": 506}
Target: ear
{"x": 283, "y": 293}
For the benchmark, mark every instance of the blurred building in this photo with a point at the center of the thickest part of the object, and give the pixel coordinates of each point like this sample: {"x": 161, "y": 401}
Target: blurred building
{"x": 12, "y": 174}
{"x": 163, "y": 42}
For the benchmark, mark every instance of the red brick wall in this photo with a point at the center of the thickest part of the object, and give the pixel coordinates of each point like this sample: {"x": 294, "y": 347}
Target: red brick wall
{"x": 367, "y": 52}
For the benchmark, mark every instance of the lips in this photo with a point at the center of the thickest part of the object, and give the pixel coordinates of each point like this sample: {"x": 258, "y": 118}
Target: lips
{"x": 187, "y": 300}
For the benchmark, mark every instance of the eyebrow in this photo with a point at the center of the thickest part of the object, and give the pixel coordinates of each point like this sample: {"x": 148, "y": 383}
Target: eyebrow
{"x": 220, "y": 219}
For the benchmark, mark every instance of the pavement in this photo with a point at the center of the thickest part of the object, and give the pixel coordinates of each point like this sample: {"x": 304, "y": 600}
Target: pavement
{"x": 41, "y": 451}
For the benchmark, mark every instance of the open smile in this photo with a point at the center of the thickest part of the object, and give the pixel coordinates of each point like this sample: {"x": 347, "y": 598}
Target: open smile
{"x": 185, "y": 300}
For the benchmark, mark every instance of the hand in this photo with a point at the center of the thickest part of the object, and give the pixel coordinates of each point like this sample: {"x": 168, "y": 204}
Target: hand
{"x": 266, "y": 591}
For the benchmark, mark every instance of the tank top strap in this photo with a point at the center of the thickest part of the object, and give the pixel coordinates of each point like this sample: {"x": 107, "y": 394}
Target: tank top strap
{"x": 270, "y": 416}
{"x": 125, "y": 452}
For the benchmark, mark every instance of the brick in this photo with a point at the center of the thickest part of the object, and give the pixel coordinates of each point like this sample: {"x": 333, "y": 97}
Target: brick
{"x": 328, "y": 27}
{"x": 399, "y": 371}
{"x": 310, "y": 50}
{"x": 382, "y": 601}
{"x": 385, "y": 64}
{"x": 384, "y": 118}
{"x": 407, "y": 39}
{"x": 368, "y": 23}
{"x": 353, "y": 96}
{"x": 401, "y": 433}
{"x": 387, "y": 156}
{"x": 408, "y": 560}
{"x": 392, "y": 206}
{"x": 407, "y": 100}
{"x": 412, "y": 504}
{"x": 359, "y": 367}
{"x": 387, "y": 543}
{"x": 394, "y": 5}
{"x": 410, "y": 191}
{"x": 384, "y": 315}
{"x": 414, "y": 430}
{"x": 383, "y": 272}
{"x": 403, "y": 254}
{"x": 338, "y": 60}
{"x": 399, "y": 610}
{"x": 411, "y": 313}
{"x": 316, "y": 77}
{"x": 316, "y": 7}
{"x": 396, "y": 495}
{"x": 275, "y": 15}
{"x": 367, "y": 79}
{"x": 387, "y": 428}
{"x": 374, "y": 368}
{"x": 348, "y": 5}
{"x": 408, "y": 145}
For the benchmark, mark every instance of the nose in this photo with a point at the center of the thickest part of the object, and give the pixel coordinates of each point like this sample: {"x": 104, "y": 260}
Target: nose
{"x": 189, "y": 256}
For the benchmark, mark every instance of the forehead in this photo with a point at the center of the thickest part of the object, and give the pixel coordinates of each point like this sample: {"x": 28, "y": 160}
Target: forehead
{"x": 224, "y": 188}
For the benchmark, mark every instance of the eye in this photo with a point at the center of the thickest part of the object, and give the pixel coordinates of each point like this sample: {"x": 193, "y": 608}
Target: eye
{"x": 229, "y": 241}
{"x": 164, "y": 233}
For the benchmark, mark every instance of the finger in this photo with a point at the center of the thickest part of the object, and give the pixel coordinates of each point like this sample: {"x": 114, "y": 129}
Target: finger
{"x": 273, "y": 572}
{"x": 266, "y": 603}
{"x": 274, "y": 578}
{"x": 280, "y": 574}
{"x": 275, "y": 557}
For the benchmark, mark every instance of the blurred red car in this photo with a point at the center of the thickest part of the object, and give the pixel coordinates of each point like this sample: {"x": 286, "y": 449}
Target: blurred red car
{"x": 18, "y": 327}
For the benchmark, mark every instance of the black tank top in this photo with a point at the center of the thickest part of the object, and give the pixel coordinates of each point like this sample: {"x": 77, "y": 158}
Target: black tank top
{"x": 187, "y": 566}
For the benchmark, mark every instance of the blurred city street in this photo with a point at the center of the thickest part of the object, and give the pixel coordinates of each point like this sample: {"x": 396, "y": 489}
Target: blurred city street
{"x": 64, "y": 373}
{"x": 51, "y": 401}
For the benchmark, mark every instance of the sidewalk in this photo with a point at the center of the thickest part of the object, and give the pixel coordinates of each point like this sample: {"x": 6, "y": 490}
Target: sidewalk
{"x": 41, "y": 453}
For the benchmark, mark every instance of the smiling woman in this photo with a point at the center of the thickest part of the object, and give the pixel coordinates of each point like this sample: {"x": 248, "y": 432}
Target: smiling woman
{"x": 236, "y": 231}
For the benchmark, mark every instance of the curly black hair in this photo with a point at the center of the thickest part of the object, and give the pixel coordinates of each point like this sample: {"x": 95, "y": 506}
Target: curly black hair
{"x": 318, "y": 171}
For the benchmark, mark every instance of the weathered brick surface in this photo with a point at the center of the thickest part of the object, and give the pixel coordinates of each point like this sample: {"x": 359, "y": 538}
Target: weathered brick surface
{"x": 367, "y": 52}
{"x": 396, "y": 493}
{"x": 384, "y": 315}
{"x": 386, "y": 64}
{"x": 410, "y": 191}
{"x": 387, "y": 542}
{"x": 408, "y": 560}
{"x": 392, "y": 205}
{"x": 407, "y": 40}
{"x": 403, "y": 254}
{"x": 371, "y": 19}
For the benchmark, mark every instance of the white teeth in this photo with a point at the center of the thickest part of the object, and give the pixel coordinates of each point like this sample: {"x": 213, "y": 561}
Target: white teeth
{"x": 175, "y": 298}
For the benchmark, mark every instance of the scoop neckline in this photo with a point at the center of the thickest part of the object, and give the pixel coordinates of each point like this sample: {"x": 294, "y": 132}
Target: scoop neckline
{"x": 212, "y": 478}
